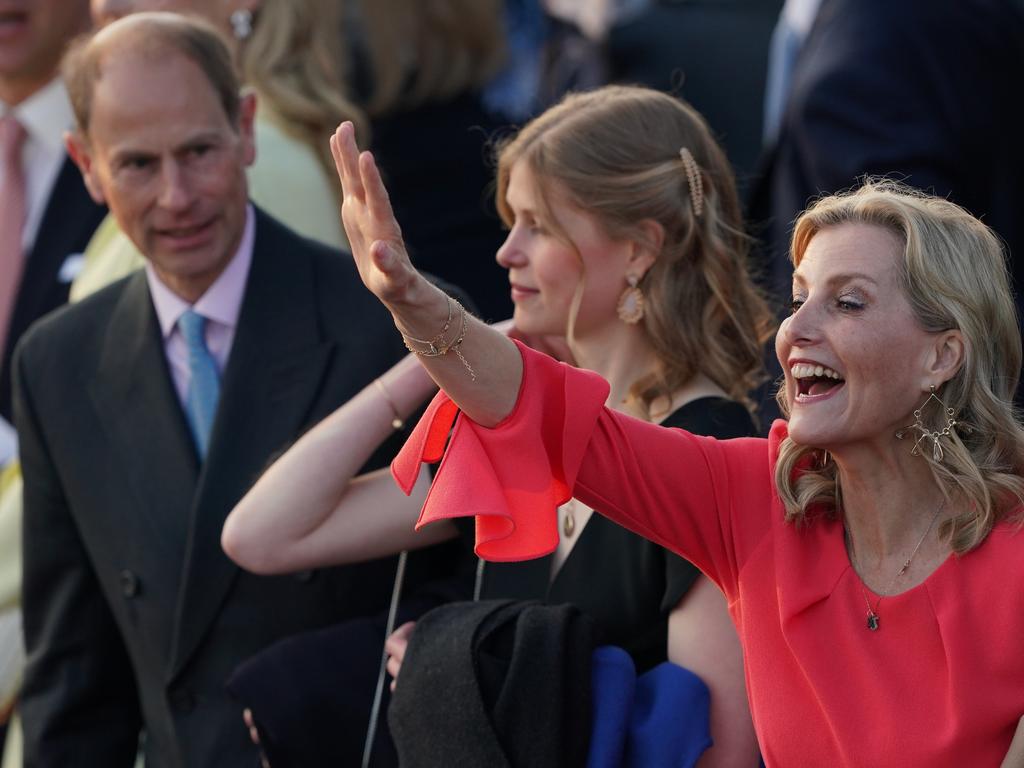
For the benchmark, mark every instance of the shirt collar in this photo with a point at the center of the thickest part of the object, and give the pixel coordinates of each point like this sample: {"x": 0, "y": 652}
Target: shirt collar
{"x": 46, "y": 115}
{"x": 800, "y": 15}
{"x": 222, "y": 301}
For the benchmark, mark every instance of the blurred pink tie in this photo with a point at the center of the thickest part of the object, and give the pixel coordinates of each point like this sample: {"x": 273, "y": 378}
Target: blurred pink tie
{"x": 12, "y": 218}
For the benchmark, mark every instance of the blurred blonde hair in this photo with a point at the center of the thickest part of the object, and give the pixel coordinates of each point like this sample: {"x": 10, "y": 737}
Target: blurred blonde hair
{"x": 296, "y": 59}
{"x": 423, "y": 51}
{"x": 954, "y": 274}
{"x": 615, "y": 152}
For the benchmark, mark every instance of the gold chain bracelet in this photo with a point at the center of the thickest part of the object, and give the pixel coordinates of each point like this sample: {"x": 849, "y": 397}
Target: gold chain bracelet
{"x": 439, "y": 346}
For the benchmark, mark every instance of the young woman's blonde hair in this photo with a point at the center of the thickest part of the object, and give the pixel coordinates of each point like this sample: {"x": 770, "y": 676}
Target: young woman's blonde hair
{"x": 953, "y": 272}
{"x": 428, "y": 51}
{"x": 295, "y": 59}
{"x": 615, "y": 154}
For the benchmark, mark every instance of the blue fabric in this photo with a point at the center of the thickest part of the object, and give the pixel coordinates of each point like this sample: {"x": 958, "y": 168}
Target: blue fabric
{"x": 785, "y": 48}
{"x": 659, "y": 720}
{"x": 204, "y": 385}
{"x": 515, "y": 91}
{"x": 612, "y": 687}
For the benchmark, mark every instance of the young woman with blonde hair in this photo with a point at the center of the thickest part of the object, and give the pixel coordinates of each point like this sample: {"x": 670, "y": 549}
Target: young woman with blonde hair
{"x": 624, "y": 237}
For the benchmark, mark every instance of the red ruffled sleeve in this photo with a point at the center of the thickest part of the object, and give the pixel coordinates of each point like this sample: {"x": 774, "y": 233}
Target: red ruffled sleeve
{"x": 512, "y": 476}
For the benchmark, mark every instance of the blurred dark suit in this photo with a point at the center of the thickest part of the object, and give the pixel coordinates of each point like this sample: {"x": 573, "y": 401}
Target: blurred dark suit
{"x": 68, "y": 222}
{"x": 926, "y": 91}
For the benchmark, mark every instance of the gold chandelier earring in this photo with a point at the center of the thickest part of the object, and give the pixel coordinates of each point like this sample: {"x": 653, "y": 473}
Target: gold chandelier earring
{"x": 631, "y": 302}
{"x": 924, "y": 433}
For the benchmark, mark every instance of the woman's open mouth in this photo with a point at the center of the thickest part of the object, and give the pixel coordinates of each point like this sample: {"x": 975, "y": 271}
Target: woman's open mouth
{"x": 815, "y": 382}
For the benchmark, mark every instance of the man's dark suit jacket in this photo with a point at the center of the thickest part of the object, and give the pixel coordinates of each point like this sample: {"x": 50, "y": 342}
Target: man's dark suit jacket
{"x": 134, "y": 617}
{"x": 927, "y": 91}
{"x": 68, "y": 222}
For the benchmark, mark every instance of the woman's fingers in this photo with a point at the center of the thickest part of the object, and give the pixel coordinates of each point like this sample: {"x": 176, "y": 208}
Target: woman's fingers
{"x": 394, "y": 666}
{"x": 377, "y": 199}
{"x": 396, "y": 644}
{"x": 374, "y": 235}
{"x": 254, "y": 734}
{"x": 346, "y": 160}
{"x": 395, "y": 647}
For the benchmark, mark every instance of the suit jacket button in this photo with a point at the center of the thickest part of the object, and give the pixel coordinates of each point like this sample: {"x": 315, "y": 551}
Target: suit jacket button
{"x": 129, "y": 583}
{"x": 304, "y": 577}
{"x": 183, "y": 700}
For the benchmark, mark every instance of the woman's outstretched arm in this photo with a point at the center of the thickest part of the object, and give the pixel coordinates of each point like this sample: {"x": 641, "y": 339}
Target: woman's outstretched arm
{"x": 310, "y": 510}
{"x": 483, "y": 377}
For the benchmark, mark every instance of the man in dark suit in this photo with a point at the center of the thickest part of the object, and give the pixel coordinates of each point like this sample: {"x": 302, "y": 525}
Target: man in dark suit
{"x": 146, "y": 411}
{"x": 925, "y": 91}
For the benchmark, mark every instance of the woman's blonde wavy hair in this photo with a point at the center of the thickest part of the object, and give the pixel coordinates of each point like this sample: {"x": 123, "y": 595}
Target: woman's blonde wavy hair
{"x": 615, "y": 153}
{"x": 954, "y": 274}
{"x": 295, "y": 60}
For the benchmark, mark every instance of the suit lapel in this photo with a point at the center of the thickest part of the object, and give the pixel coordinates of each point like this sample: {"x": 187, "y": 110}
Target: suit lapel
{"x": 134, "y": 396}
{"x": 276, "y": 367}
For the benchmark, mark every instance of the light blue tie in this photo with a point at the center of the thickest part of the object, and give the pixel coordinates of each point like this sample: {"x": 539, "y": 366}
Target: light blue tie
{"x": 204, "y": 386}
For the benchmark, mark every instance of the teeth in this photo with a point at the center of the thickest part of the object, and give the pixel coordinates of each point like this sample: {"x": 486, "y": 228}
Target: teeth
{"x": 807, "y": 371}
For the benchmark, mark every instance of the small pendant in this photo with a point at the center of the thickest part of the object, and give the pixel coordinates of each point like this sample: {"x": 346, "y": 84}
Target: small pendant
{"x": 568, "y": 523}
{"x": 936, "y": 450}
{"x": 872, "y": 621}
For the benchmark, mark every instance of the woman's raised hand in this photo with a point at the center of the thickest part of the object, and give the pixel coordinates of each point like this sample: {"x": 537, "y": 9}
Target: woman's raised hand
{"x": 373, "y": 232}
{"x": 483, "y": 371}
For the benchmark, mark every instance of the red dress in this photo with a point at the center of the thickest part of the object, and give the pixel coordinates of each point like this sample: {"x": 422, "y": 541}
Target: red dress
{"x": 941, "y": 683}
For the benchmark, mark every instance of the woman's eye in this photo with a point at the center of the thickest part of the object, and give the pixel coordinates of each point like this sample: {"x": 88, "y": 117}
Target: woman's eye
{"x": 849, "y": 305}
{"x": 795, "y": 304}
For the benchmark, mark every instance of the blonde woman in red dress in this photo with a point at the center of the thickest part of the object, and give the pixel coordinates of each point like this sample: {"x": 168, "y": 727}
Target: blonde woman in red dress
{"x": 870, "y": 549}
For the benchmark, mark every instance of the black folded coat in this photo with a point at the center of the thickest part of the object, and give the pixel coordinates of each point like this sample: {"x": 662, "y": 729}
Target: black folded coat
{"x": 498, "y": 684}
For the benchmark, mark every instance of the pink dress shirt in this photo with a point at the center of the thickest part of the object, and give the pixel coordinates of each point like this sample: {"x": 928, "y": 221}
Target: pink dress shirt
{"x": 220, "y": 306}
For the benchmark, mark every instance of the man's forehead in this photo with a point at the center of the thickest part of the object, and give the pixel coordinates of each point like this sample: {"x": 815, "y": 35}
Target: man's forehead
{"x": 134, "y": 80}
{"x": 150, "y": 104}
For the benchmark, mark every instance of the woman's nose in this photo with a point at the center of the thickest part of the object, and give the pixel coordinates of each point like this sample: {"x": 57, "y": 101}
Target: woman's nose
{"x": 802, "y": 327}
{"x": 510, "y": 254}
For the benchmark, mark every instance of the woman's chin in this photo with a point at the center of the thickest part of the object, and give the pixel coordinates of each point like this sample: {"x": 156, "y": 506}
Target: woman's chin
{"x": 804, "y": 431}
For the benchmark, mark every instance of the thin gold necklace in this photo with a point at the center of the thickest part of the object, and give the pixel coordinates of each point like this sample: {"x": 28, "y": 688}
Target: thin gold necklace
{"x": 873, "y": 620}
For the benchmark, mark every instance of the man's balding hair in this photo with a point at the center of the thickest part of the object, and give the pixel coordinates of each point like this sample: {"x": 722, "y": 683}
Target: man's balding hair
{"x": 153, "y": 35}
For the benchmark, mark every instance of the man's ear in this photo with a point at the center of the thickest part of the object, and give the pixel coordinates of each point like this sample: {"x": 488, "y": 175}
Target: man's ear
{"x": 80, "y": 152}
{"x": 947, "y": 356}
{"x": 246, "y": 125}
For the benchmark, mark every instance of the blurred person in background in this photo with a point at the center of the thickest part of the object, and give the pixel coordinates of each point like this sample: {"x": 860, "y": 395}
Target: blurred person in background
{"x": 46, "y": 219}
{"x": 712, "y": 54}
{"x": 920, "y": 91}
{"x": 420, "y": 68}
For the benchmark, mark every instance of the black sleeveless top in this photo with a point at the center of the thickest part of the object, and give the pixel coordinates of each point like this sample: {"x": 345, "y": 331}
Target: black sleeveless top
{"x": 626, "y": 583}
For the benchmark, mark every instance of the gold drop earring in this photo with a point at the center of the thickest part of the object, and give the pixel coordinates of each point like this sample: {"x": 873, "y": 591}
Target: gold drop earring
{"x": 631, "y": 302}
